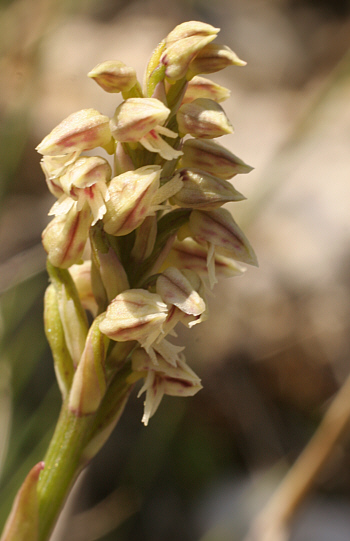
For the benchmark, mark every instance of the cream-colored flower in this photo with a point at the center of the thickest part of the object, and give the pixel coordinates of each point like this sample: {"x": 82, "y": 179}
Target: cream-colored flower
{"x": 162, "y": 378}
{"x": 85, "y": 181}
{"x": 83, "y": 130}
{"x": 141, "y": 120}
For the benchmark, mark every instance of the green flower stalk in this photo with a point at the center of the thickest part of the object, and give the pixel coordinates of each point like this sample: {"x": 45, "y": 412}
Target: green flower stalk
{"x": 138, "y": 237}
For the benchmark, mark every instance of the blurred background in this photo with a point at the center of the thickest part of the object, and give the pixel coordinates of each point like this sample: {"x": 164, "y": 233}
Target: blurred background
{"x": 276, "y": 347}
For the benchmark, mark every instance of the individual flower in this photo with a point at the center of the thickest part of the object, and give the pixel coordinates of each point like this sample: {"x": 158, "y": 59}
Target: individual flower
{"x": 203, "y": 118}
{"x": 190, "y": 29}
{"x": 174, "y": 288}
{"x": 85, "y": 181}
{"x": 203, "y": 191}
{"x": 162, "y": 378}
{"x": 178, "y": 55}
{"x": 64, "y": 238}
{"x": 200, "y": 87}
{"x": 83, "y": 130}
{"x": 209, "y": 156}
{"x": 113, "y": 76}
{"x": 212, "y": 58}
{"x": 188, "y": 254}
{"x": 217, "y": 230}
{"x": 133, "y": 196}
{"x": 183, "y": 292}
{"x": 141, "y": 120}
{"x": 135, "y": 314}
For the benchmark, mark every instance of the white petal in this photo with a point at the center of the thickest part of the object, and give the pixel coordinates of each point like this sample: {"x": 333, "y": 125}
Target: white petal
{"x": 154, "y": 143}
{"x": 62, "y": 206}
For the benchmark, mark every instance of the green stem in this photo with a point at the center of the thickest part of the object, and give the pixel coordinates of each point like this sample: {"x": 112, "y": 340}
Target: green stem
{"x": 63, "y": 463}
{"x": 75, "y": 441}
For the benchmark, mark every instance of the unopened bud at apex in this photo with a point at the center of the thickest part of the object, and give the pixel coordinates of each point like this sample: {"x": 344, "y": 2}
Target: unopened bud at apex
{"x": 189, "y": 29}
{"x": 203, "y": 191}
{"x": 200, "y": 87}
{"x": 135, "y": 314}
{"x": 83, "y": 130}
{"x": 211, "y": 157}
{"x": 114, "y": 76}
{"x": 178, "y": 55}
{"x": 203, "y": 118}
{"x": 212, "y": 58}
{"x": 130, "y": 199}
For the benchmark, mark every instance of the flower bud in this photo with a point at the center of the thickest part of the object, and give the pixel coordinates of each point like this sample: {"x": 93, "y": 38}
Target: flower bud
{"x": 162, "y": 378}
{"x": 175, "y": 288}
{"x": 203, "y": 118}
{"x": 211, "y": 157}
{"x": 189, "y": 29}
{"x": 23, "y": 521}
{"x": 114, "y": 76}
{"x": 72, "y": 314}
{"x": 200, "y": 87}
{"x": 178, "y": 55}
{"x": 111, "y": 272}
{"x": 65, "y": 237}
{"x": 203, "y": 191}
{"x": 63, "y": 363}
{"x": 81, "y": 275}
{"x": 181, "y": 46}
{"x": 144, "y": 239}
{"x": 212, "y": 58}
{"x": 89, "y": 383}
{"x": 217, "y": 227}
{"x": 135, "y": 314}
{"x": 83, "y": 130}
{"x": 130, "y": 199}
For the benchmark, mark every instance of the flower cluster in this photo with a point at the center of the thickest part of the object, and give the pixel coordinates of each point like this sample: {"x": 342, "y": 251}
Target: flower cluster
{"x": 139, "y": 235}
